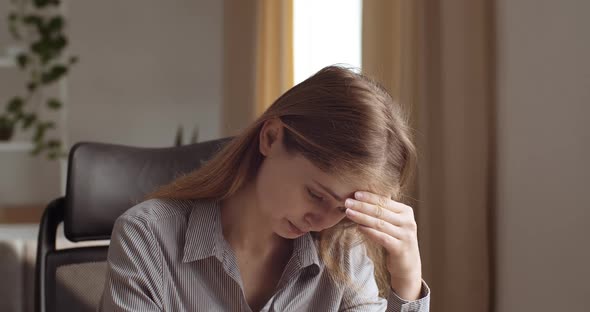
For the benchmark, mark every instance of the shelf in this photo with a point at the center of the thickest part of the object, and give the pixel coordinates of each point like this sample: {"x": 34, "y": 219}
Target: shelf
{"x": 21, "y": 214}
{"x": 16, "y": 146}
{"x": 24, "y": 231}
{"x": 7, "y": 62}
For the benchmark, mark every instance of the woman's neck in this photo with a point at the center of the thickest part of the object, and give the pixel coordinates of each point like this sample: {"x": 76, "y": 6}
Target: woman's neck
{"x": 246, "y": 228}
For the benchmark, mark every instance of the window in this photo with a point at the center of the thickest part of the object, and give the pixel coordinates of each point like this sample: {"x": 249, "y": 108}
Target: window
{"x": 325, "y": 32}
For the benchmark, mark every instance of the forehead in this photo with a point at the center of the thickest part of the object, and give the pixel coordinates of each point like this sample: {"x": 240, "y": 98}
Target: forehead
{"x": 343, "y": 184}
{"x": 306, "y": 171}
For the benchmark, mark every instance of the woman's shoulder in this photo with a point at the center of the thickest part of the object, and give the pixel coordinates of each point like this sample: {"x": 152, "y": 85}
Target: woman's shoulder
{"x": 160, "y": 209}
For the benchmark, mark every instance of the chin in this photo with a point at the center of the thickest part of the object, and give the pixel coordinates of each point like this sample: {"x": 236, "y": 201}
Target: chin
{"x": 287, "y": 230}
{"x": 286, "y": 235}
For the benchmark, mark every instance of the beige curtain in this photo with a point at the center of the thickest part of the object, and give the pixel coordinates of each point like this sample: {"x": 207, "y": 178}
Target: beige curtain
{"x": 274, "y": 62}
{"x": 434, "y": 57}
{"x": 389, "y": 45}
{"x": 239, "y": 65}
{"x": 258, "y": 58}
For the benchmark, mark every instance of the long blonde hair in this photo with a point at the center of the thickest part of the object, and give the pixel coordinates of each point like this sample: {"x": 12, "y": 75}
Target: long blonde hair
{"x": 347, "y": 125}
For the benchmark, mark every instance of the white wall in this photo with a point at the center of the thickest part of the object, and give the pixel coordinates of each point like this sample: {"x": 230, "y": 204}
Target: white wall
{"x": 145, "y": 68}
{"x": 543, "y": 90}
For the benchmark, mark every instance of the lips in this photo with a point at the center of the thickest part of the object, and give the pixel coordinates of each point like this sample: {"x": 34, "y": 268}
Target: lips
{"x": 295, "y": 229}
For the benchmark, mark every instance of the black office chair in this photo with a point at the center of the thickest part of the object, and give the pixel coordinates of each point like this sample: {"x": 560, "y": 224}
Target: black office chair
{"x": 103, "y": 181}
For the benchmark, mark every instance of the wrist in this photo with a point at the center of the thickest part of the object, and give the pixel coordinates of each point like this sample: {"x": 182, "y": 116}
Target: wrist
{"x": 407, "y": 289}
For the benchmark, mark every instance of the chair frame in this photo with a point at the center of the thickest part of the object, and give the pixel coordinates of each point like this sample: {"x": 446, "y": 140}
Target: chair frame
{"x": 49, "y": 258}
{"x": 45, "y": 273}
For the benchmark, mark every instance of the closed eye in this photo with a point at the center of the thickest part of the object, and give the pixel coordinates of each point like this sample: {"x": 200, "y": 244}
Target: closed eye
{"x": 321, "y": 199}
{"x": 314, "y": 196}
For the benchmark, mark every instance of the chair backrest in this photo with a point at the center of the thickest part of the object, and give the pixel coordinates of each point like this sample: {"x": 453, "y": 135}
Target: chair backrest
{"x": 103, "y": 181}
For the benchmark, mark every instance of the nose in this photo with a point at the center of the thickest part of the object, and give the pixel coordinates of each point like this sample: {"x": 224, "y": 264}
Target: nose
{"x": 311, "y": 219}
{"x": 316, "y": 221}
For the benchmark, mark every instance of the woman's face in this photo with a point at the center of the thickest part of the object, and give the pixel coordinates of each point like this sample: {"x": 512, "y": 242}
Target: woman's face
{"x": 293, "y": 193}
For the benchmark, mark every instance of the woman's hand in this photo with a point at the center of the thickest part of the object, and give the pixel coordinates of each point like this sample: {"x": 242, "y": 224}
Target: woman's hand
{"x": 391, "y": 224}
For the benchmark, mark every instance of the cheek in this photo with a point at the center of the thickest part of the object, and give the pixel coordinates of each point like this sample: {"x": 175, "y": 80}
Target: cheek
{"x": 332, "y": 218}
{"x": 273, "y": 194}
{"x": 337, "y": 219}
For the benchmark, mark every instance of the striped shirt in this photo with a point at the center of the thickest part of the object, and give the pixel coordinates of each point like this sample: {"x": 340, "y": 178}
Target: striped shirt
{"x": 171, "y": 255}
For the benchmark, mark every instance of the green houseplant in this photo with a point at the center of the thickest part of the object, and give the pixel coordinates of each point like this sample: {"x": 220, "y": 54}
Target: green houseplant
{"x": 178, "y": 139}
{"x": 38, "y": 26}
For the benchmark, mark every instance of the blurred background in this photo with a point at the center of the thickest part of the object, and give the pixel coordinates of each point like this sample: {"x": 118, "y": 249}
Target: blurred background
{"x": 498, "y": 93}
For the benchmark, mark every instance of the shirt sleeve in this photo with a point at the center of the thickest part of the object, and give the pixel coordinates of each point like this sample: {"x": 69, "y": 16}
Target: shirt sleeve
{"x": 134, "y": 269}
{"x": 363, "y": 294}
{"x": 395, "y": 303}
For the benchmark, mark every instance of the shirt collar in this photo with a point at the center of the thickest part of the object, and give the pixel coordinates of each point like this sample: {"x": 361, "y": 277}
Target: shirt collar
{"x": 305, "y": 248}
{"x": 204, "y": 237}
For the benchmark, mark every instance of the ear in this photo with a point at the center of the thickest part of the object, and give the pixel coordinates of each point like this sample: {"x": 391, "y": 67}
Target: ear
{"x": 270, "y": 134}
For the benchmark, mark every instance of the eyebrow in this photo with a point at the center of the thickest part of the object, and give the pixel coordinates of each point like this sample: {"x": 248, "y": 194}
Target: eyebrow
{"x": 332, "y": 193}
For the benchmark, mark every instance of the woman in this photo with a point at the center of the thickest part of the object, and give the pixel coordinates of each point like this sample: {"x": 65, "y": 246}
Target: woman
{"x": 299, "y": 212}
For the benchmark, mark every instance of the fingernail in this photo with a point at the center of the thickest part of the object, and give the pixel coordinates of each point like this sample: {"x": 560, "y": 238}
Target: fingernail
{"x": 358, "y": 195}
{"x": 348, "y": 202}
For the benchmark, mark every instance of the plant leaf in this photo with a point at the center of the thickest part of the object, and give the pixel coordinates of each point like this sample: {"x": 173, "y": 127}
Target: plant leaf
{"x": 38, "y": 148}
{"x": 54, "y": 149}
{"x": 37, "y": 47}
{"x": 28, "y": 120}
{"x": 31, "y": 86}
{"x": 15, "y": 105}
{"x": 49, "y": 125}
{"x": 59, "y": 43}
{"x": 53, "y": 143}
{"x": 53, "y": 74}
{"x": 178, "y": 137}
{"x": 5, "y": 122}
{"x": 39, "y": 133}
{"x": 33, "y": 20}
{"x": 54, "y": 104}
{"x": 22, "y": 59}
{"x": 55, "y": 24}
{"x": 41, "y": 3}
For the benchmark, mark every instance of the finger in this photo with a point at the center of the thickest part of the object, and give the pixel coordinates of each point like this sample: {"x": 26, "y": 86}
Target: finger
{"x": 374, "y": 223}
{"x": 387, "y": 241}
{"x": 374, "y": 211}
{"x": 380, "y": 200}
